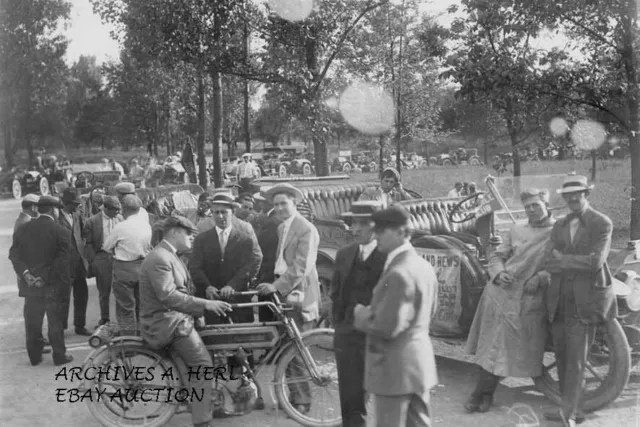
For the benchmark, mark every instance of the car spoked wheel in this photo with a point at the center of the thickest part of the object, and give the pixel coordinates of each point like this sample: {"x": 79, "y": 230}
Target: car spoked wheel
{"x": 16, "y": 189}
{"x": 45, "y": 190}
{"x": 346, "y": 168}
{"x": 306, "y": 169}
{"x": 282, "y": 171}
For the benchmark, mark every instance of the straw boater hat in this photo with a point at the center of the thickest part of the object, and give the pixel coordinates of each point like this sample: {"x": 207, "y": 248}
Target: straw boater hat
{"x": 284, "y": 188}
{"x": 246, "y": 155}
{"x": 363, "y": 209}
{"x": 575, "y": 183}
{"x": 31, "y": 199}
{"x": 226, "y": 199}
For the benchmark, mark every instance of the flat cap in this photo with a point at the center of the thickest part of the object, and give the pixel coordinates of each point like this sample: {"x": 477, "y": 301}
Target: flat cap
{"x": 393, "y": 216}
{"x": 125, "y": 188}
{"x": 204, "y": 196}
{"x": 111, "y": 202}
{"x": 49, "y": 201}
{"x": 176, "y": 221}
{"x": 131, "y": 202}
{"x": 31, "y": 198}
{"x": 391, "y": 172}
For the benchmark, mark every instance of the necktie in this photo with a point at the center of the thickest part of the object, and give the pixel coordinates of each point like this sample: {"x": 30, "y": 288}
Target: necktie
{"x": 223, "y": 241}
{"x": 362, "y": 257}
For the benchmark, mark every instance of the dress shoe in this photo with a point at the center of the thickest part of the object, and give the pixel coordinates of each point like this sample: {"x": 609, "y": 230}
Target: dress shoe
{"x": 102, "y": 322}
{"x": 559, "y": 417}
{"x": 472, "y": 404}
{"x": 36, "y": 362}
{"x": 66, "y": 359}
{"x": 487, "y": 401}
{"x": 83, "y": 331}
{"x": 46, "y": 350}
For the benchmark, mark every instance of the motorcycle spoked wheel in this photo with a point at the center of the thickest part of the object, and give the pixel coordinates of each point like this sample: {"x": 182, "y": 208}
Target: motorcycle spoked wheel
{"x": 611, "y": 340}
{"x": 111, "y": 413}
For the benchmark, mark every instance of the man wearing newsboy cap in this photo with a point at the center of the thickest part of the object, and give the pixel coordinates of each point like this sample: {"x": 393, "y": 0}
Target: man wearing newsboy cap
{"x": 167, "y": 309}
{"x": 40, "y": 257}
{"x": 400, "y": 367}
{"x": 580, "y": 295}
{"x": 358, "y": 268}
{"x": 29, "y": 210}
{"x": 123, "y": 189}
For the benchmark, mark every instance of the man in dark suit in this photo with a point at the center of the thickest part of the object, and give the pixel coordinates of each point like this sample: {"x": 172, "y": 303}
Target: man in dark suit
{"x": 358, "y": 267}
{"x": 580, "y": 295}
{"x": 95, "y": 232}
{"x": 73, "y": 221}
{"x": 167, "y": 309}
{"x": 40, "y": 257}
{"x": 224, "y": 259}
{"x": 29, "y": 210}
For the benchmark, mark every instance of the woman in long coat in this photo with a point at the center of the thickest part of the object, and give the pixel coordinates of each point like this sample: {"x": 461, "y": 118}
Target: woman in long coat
{"x": 509, "y": 330}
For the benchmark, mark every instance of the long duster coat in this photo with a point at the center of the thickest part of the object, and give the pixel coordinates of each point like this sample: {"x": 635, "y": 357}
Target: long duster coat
{"x": 509, "y": 330}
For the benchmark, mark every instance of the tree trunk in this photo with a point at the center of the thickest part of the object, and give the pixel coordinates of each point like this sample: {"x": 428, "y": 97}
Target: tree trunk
{"x": 8, "y": 144}
{"x": 486, "y": 152}
{"x": 381, "y": 155}
{"x": 247, "y": 125}
{"x": 216, "y": 127}
{"x": 513, "y": 135}
{"x": 170, "y": 147}
{"x": 320, "y": 152}
{"x": 202, "y": 160}
{"x": 594, "y": 164}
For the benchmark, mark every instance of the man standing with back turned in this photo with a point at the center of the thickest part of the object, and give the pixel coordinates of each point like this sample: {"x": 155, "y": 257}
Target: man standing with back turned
{"x": 400, "y": 367}
{"x": 580, "y": 295}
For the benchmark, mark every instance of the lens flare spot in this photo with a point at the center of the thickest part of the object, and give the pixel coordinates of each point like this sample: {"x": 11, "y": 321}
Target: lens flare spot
{"x": 292, "y": 10}
{"x": 368, "y": 108}
{"x": 558, "y": 126}
{"x": 588, "y": 135}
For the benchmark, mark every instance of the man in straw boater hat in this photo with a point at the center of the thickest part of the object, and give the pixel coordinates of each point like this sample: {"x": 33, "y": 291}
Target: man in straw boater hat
{"x": 400, "y": 367}
{"x": 296, "y": 277}
{"x": 358, "y": 268}
{"x": 389, "y": 191}
{"x": 224, "y": 259}
{"x": 168, "y": 307}
{"x": 580, "y": 295}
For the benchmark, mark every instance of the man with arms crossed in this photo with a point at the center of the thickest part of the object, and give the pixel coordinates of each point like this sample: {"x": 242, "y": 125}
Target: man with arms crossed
{"x": 358, "y": 268}
{"x": 580, "y": 295}
{"x": 400, "y": 367}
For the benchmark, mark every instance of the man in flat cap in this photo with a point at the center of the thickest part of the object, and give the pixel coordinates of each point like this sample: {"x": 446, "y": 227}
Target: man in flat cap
{"x": 123, "y": 189}
{"x": 96, "y": 231}
{"x": 167, "y": 309}
{"x": 29, "y": 210}
{"x": 390, "y": 190}
{"x": 72, "y": 220}
{"x": 580, "y": 296}
{"x": 40, "y": 257}
{"x": 296, "y": 277}
{"x": 358, "y": 268}
{"x": 400, "y": 367}
{"x": 129, "y": 242}
{"x": 224, "y": 259}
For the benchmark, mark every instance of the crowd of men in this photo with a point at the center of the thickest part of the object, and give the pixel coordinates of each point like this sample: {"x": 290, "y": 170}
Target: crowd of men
{"x": 549, "y": 277}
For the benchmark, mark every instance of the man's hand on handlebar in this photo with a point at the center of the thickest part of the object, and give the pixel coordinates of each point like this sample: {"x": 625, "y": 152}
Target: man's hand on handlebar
{"x": 211, "y": 293}
{"x": 266, "y": 289}
{"x": 227, "y": 292}
{"x": 218, "y": 307}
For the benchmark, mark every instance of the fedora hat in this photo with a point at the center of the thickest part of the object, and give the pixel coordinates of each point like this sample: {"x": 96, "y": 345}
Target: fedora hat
{"x": 363, "y": 209}
{"x": 284, "y": 188}
{"x": 223, "y": 198}
{"x": 574, "y": 183}
{"x": 393, "y": 216}
{"x": 71, "y": 196}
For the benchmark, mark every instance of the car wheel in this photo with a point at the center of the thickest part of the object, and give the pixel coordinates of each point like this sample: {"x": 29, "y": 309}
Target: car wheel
{"x": 346, "y": 168}
{"x": 373, "y": 167}
{"x": 45, "y": 190}
{"x": 16, "y": 189}
{"x": 447, "y": 163}
{"x": 282, "y": 171}
{"x": 306, "y": 169}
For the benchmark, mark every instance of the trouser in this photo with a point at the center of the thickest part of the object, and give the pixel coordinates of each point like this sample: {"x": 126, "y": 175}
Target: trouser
{"x": 299, "y": 392}
{"x": 103, "y": 269}
{"x": 487, "y": 384}
{"x": 409, "y": 410}
{"x": 572, "y": 341}
{"x": 245, "y": 183}
{"x": 350, "y": 346}
{"x": 80, "y": 298}
{"x": 34, "y": 311}
{"x": 126, "y": 291}
{"x": 195, "y": 355}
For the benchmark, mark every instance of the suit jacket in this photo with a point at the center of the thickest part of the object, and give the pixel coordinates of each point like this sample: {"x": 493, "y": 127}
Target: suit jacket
{"x": 93, "y": 234}
{"x": 585, "y": 271}
{"x": 167, "y": 304}
{"x": 41, "y": 246}
{"x": 77, "y": 250}
{"x": 267, "y": 235}
{"x": 344, "y": 262}
{"x": 300, "y": 254}
{"x": 400, "y": 358}
{"x": 22, "y": 219}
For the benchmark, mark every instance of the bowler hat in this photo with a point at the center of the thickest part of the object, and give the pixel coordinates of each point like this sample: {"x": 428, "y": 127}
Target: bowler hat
{"x": 575, "y": 183}
{"x": 284, "y": 188}
{"x": 177, "y": 221}
{"x": 363, "y": 209}
{"x": 226, "y": 199}
{"x": 30, "y": 199}
{"x": 71, "y": 196}
{"x": 48, "y": 201}
{"x": 125, "y": 188}
{"x": 393, "y": 216}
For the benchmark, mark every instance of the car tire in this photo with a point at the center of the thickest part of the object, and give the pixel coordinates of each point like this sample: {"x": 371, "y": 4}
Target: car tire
{"x": 44, "y": 187}
{"x": 16, "y": 189}
{"x": 306, "y": 169}
{"x": 346, "y": 168}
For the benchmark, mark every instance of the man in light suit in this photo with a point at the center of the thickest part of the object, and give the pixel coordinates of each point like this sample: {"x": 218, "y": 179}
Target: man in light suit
{"x": 29, "y": 210}
{"x": 580, "y": 295}
{"x": 357, "y": 270}
{"x": 390, "y": 190}
{"x": 400, "y": 367}
{"x": 296, "y": 277}
{"x": 224, "y": 260}
{"x": 167, "y": 309}
{"x": 95, "y": 232}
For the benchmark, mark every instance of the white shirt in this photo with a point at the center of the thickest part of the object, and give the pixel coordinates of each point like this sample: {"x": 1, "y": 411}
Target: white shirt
{"x": 223, "y": 237}
{"x": 281, "y": 265}
{"x": 366, "y": 250}
{"x": 107, "y": 225}
{"x": 130, "y": 240}
{"x": 573, "y": 227}
{"x": 246, "y": 170}
{"x": 454, "y": 193}
{"x": 67, "y": 216}
{"x": 397, "y": 251}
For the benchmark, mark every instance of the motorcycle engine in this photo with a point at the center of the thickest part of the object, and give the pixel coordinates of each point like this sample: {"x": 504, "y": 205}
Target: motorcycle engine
{"x": 234, "y": 390}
